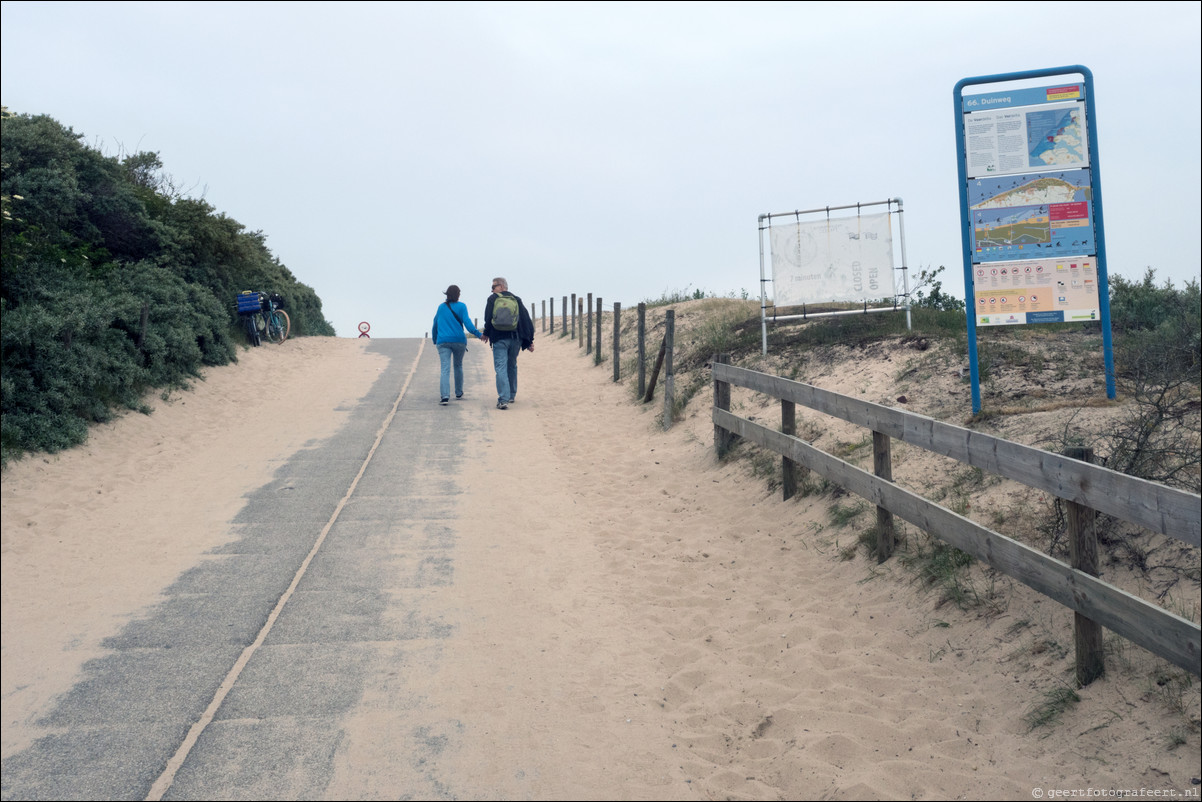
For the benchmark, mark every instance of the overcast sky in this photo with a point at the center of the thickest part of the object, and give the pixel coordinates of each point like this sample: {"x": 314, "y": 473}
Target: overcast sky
{"x": 387, "y": 150}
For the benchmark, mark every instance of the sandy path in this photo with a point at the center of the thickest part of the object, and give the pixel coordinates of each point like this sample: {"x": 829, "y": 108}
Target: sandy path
{"x": 661, "y": 627}
{"x": 94, "y": 534}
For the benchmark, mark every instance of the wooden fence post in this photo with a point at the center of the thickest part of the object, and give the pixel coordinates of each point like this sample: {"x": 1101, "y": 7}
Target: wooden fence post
{"x": 669, "y": 374}
{"x": 588, "y": 324}
{"x": 617, "y": 341}
{"x": 597, "y": 353}
{"x": 544, "y": 316}
{"x": 1083, "y": 555}
{"x": 580, "y": 317}
{"x": 788, "y": 468}
{"x": 882, "y": 466}
{"x": 724, "y": 439}
{"x": 641, "y": 348}
{"x": 573, "y": 316}
{"x": 563, "y": 318}
{"x": 551, "y": 319}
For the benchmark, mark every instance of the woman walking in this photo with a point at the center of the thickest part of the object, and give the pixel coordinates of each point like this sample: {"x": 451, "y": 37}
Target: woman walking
{"x": 447, "y": 332}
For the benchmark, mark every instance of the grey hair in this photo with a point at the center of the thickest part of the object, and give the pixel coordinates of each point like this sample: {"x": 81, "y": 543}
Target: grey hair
{"x": 504, "y": 284}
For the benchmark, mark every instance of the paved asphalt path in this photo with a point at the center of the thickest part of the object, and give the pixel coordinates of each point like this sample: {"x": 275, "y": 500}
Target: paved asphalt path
{"x": 233, "y": 687}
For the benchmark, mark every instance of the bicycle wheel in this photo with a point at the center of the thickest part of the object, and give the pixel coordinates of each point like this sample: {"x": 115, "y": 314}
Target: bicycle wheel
{"x": 277, "y": 326}
{"x": 282, "y": 325}
{"x": 252, "y": 330}
{"x": 271, "y": 331}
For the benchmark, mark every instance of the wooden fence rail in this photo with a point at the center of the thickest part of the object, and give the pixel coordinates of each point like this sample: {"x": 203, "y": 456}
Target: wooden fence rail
{"x": 1162, "y": 509}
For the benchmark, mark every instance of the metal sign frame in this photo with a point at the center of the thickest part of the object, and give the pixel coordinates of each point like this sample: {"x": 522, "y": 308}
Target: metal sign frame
{"x": 765, "y": 222}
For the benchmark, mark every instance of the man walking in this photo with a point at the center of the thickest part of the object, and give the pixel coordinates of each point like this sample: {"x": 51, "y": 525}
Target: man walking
{"x": 509, "y": 330}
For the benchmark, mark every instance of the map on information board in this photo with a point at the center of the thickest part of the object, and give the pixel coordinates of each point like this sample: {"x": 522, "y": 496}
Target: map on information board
{"x": 1024, "y": 140}
{"x": 1056, "y": 137}
{"x": 1030, "y": 215}
{"x": 833, "y": 259}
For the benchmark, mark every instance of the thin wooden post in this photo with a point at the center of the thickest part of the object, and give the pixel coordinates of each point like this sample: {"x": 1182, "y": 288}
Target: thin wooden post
{"x": 563, "y": 316}
{"x": 588, "y": 325}
{"x": 551, "y": 319}
{"x": 788, "y": 468}
{"x": 597, "y": 353}
{"x": 617, "y": 341}
{"x": 642, "y": 348}
{"x": 544, "y": 316}
{"x": 659, "y": 363}
{"x": 724, "y": 439}
{"x": 1083, "y": 555}
{"x": 669, "y": 374}
{"x": 573, "y": 316}
{"x": 580, "y": 317}
{"x": 882, "y": 466}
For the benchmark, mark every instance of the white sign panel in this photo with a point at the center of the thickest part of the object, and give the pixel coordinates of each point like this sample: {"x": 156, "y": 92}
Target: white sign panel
{"x": 836, "y": 259}
{"x": 1026, "y": 140}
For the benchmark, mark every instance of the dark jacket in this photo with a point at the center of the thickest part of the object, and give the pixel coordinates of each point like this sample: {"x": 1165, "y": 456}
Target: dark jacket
{"x": 525, "y": 330}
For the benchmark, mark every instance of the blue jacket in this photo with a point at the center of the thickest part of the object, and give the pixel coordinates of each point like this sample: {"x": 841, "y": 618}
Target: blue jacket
{"x": 448, "y": 329}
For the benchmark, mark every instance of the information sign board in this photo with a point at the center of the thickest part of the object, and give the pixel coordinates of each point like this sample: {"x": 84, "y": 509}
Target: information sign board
{"x": 1031, "y": 205}
{"x": 1029, "y": 195}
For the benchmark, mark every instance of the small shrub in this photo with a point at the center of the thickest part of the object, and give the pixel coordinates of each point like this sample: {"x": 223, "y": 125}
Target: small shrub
{"x": 1048, "y": 712}
{"x": 944, "y": 568}
{"x": 842, "y": 515}
{"x": 927, "y": 293}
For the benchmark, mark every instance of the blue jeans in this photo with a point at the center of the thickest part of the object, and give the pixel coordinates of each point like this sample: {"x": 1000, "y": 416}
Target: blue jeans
{"x": 505, "y": 361}
{"x": 448, "y": 353}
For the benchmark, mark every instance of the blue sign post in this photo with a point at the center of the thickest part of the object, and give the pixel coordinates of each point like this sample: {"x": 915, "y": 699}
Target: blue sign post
{"x": 1031, "y": 206}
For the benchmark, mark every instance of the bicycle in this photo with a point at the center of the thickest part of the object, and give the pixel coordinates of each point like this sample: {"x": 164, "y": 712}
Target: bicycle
{"x": 277, "y": 324}
{"x": 250, "y": 314}
{"x": 263, "y": 316}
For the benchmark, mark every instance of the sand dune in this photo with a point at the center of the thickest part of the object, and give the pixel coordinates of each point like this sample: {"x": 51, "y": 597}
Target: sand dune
{"x": 692, "y": 635}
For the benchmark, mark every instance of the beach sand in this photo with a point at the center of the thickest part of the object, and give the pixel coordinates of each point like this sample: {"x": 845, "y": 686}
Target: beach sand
{"x": 671, "y": 628}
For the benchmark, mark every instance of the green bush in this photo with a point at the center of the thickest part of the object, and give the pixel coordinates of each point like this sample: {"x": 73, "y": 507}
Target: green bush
{"x": 90, "y": 242}
{"x": 1157, "y": 358}
{"x": 1157, "y": 328}
{"x": 928, "y": 293}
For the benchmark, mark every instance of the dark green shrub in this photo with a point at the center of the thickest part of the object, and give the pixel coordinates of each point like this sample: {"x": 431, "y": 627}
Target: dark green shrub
{"x": 90, "y": 244}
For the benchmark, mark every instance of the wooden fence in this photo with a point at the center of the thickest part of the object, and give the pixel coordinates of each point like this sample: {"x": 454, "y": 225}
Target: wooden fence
{"x": 582, "y": 326}
{"x": 1086, "y": 487}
